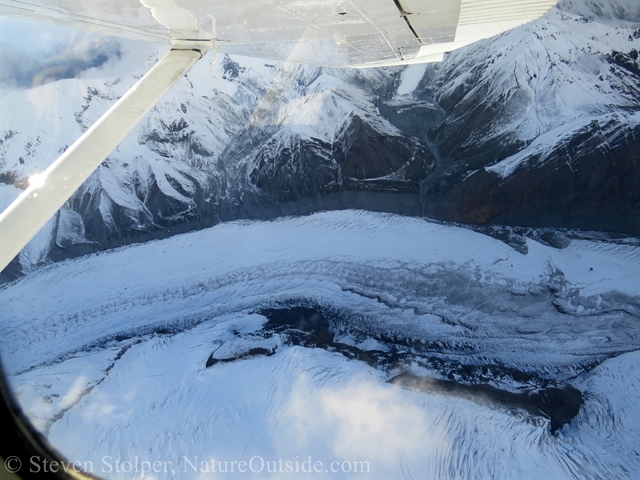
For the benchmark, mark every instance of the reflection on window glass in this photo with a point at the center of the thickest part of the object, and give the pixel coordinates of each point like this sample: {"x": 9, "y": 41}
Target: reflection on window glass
{"x": 295, "y": 271}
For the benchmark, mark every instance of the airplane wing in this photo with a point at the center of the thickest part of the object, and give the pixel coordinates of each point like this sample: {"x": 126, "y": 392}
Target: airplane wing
{"x": 336, "y": 33}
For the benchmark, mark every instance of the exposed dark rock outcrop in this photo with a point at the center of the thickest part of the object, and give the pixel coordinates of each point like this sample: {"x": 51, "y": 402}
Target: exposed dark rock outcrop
{"x": 588, "y": 181}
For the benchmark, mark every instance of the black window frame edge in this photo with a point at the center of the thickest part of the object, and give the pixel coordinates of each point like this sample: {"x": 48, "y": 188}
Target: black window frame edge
{"x": 23, "y": 449}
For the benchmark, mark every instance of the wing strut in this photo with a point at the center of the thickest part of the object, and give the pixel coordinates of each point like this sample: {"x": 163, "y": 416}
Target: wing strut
{"x": 38, "y": 203}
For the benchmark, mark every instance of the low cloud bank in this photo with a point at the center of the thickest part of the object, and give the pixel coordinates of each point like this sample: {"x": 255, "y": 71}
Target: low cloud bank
{"x": 19, "y": 70}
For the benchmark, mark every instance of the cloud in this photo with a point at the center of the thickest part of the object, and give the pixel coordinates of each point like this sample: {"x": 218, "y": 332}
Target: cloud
{"x": 362, "y": 420}
{"x": 16, "y": 68}
{"x": 20, "y": 70}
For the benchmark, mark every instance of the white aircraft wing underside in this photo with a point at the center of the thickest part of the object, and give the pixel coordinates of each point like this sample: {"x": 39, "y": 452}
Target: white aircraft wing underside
{"x": 324, "y": 32}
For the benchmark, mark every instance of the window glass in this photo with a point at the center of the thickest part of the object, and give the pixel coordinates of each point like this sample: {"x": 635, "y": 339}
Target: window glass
{"x": 295, "y": 271}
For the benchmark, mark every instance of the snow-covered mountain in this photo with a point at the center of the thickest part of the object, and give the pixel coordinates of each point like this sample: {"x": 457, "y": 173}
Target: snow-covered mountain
{"x": 541, "y": 124}
{"x": 535, "y": 127}
{"x": 231, "y": 140}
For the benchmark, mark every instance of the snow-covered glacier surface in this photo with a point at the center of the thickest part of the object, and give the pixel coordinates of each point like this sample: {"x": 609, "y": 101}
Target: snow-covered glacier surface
{"x": 389, "y": 346}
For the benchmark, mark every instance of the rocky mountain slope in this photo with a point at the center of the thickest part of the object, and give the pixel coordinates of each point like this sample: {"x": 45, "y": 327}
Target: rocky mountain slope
{"x": 536, "y": 127}
{"x": 545, "y": 130}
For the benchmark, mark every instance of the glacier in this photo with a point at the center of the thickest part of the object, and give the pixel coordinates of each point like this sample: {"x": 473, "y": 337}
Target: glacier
{"x": 159, "y": 351}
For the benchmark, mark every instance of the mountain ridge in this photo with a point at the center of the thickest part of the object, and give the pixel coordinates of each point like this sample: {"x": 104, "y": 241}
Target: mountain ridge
{"x": 537, "y": 127}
